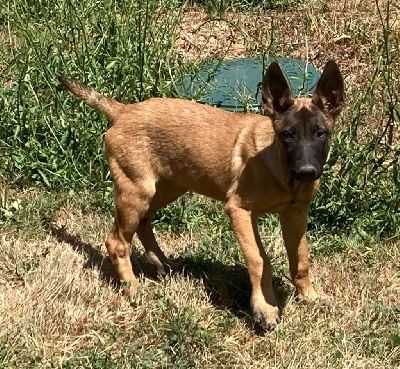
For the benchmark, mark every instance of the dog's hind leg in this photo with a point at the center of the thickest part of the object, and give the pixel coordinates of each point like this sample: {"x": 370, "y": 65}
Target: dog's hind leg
{"x": 153, "y": 252}
{"x": 118, "y": 246}
{"x": 132, "y": 201}
{"x": 166, "y": 192}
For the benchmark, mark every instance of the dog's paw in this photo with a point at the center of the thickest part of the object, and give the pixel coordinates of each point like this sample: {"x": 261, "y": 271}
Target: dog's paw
{"x": 163, "y": 264}
{"x": 166, "y": 268}
{"x": 129, "y": 289}
{"x": 318, "y": 298}
{"x": 267, "y": 317}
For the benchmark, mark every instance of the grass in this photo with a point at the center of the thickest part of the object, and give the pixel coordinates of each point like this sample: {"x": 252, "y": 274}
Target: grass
{"x": 141, "y": 49}
{"x": 97, "y": 43}
{"x": 60, "y": 306}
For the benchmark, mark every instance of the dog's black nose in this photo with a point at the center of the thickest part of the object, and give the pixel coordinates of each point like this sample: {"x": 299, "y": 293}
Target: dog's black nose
{"x": 306, "y": 173}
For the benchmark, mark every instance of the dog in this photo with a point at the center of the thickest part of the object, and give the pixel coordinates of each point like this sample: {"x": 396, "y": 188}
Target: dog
{"x": 161, "y": 148}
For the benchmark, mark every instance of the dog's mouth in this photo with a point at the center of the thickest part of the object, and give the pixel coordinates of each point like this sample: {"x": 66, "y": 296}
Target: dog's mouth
{"x": 306, "y": 178}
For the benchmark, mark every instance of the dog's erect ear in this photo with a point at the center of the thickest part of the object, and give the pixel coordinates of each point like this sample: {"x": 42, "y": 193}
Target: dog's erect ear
{"x": 276, "y": 94}
{"x": 329, "y": 93}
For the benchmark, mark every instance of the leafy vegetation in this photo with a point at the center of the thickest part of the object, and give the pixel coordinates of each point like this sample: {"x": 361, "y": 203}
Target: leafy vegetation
{"x": 360, "y": 189}
{"x": 127, "y": 50}
{"x": 220, "y": 7}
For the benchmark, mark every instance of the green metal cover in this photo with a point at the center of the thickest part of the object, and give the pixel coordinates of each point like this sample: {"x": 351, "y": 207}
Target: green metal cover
{"x": 235, "y": 84}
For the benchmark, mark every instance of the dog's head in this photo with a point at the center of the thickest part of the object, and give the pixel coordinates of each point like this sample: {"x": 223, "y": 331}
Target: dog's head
{"x": 303, "y": 126}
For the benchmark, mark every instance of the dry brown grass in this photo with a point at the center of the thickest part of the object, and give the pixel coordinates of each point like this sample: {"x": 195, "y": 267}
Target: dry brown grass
{"x": 57, "y": 302}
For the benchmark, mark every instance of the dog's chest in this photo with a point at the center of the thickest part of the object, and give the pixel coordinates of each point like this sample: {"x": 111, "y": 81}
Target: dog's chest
{"x": 271, "y": 198}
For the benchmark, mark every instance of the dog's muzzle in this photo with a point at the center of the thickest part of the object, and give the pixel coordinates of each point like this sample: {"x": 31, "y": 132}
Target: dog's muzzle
{"x": 307, "y": 173}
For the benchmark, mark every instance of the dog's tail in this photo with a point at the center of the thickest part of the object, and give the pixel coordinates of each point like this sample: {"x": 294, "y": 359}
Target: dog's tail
{"x": 103, "y": 104}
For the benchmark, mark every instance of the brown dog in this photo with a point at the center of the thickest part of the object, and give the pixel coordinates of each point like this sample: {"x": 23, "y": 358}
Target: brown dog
{"x": 160, "y": 148}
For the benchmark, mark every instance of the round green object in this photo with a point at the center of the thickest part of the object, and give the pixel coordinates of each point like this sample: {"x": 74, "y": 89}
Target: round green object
{"x": 235, "y": 84}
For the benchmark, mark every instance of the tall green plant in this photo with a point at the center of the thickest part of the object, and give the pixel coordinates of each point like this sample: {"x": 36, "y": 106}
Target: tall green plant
{"x": 219, "y": 7}
{"x": 123, "y": 48}
{"x": 361, "y": 190}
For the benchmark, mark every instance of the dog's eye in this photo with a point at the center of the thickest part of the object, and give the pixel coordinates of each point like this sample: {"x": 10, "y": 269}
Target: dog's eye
{"x": 321, "y": 134}
{"x": 287, "y": 135}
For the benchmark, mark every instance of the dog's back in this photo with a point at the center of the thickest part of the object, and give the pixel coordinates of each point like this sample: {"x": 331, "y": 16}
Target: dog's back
{"x": 187, "y": 142}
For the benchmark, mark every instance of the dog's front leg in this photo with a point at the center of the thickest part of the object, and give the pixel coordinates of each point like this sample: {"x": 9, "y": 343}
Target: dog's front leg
{"x": 294, "y": 227}
{"x": 263, "y": 303}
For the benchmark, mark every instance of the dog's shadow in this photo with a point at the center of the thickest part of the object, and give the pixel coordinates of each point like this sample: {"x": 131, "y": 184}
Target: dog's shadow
{"x": 228, "y": 286}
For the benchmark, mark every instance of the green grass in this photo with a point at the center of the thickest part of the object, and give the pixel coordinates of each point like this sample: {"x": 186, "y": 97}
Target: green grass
{"x": 220, "y": 7}
{"x": 124, "y": 49}
{"x": 127, "y": 50}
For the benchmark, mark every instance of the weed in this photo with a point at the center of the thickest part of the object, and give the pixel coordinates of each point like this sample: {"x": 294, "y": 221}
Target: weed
{"x": 127, "y": 51}
{"x": 124, "y": 49}
{"x": 359, "y": 192}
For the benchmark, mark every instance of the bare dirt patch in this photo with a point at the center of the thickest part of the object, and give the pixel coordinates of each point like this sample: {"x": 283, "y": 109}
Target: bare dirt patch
{"x": 315, "y": 31}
